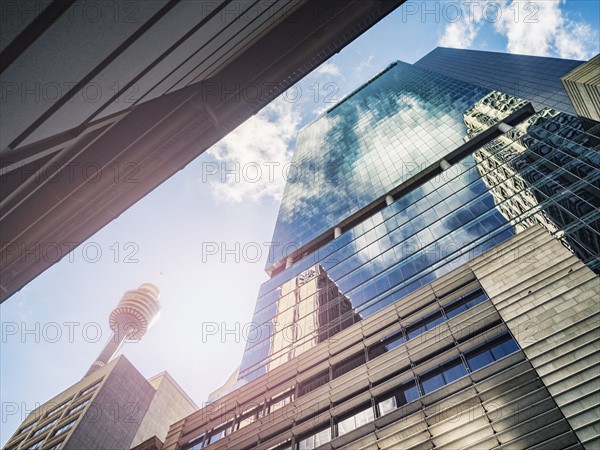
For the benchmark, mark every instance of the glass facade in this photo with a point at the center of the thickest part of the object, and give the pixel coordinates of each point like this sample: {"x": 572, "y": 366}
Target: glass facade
{"x": 382, "y": 134}
{"x": 535, "y": 79}
{"x": 544, "y": 170}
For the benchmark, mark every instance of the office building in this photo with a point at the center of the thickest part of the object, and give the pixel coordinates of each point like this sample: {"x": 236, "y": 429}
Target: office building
{"x": 583, "y": 87}
{"x": 102, "y": 102}
{"x": 113, "y": 406}
{"x": 458, "y": 225}
{"x": 533, "y": 78}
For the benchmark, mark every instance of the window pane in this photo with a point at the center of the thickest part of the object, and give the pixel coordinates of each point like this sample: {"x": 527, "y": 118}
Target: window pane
{"x": 364, "y": 417}
{"x": 355, "y": 421}
{"x": 314, "y": 383}
{"x": 349, "y": 364}
{"x": 432, "y": 382}
{"x": 215, "y": 437}
{"x": 387, "y": 406}
{"x": 411, "y": 392}
{"x": 434, "y": 322}
{"x": 504, "y": 348}
{"x": 286, "y": 446}
{"x": 455, "y": 311}
{"x": 246, "y": 421}
{"x": 416, "y": 331}
{"x": 395, "y": 341}
{"x": 377, "y": 350}
{"x": 280, "y": 402}
{"x": 454, "y": 372}
{"x": 345, "y": 426}
{"x": 480, "y": 360}
{"x": 315, "y": 440}
{"x": 322, "y": 437}
{"x": 478, "y": 299}
{"x": 306, "y": 444}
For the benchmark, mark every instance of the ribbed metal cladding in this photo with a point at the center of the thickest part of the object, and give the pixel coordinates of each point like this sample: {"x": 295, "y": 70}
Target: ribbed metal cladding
{"x": 583, "y": 88}
{"x": 549, "y": 300}
{"x": 508, "y": 403}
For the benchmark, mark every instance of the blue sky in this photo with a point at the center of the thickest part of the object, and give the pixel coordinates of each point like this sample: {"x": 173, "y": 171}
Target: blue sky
{"x": 204, "y": 208}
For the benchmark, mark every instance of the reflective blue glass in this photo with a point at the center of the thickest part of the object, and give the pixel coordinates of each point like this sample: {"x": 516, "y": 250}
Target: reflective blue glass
{"x": 533, "y": 78}
{"x": 505, "y": 348}
{"x": 544, "y": 171}
{"x": 410, "y": 392}
{"x": 479, "y": 360}
{"x": 432, "y": 382}
{"x": 382, "y": 134}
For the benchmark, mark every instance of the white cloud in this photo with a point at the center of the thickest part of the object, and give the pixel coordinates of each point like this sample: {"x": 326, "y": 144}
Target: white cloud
{"x": 365, "y": 63}
{"x": 540, "y": 28}
{"x": 543, "y": 29}
{"x": 464, "y": 23}
{"x": 459, "y": 34}
{"x": 321, "y": 109}
{"x": 576, "y": 41}
{"x": 530, "y": 27}
{"x": 256, "y": 152}
{"x": 328, "y": 68}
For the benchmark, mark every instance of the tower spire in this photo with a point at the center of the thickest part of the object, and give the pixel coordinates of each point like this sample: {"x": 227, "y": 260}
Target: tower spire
{"x": 129, "y": 321}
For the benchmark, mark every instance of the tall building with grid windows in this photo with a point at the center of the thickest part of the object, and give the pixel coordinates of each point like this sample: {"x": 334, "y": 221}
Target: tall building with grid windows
{"x": 113, "y": 406}
{"x": 457, "y": 216}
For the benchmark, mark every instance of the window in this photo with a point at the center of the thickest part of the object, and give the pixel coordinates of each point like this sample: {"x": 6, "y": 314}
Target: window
{"x": 89, "y": 389}
{"x": 45, "y": 427}
{"x": 480, "y": 359}
{"x": 195, "y": 444}
{"x": 504, "y": 348}
{"x": 465, "y": 302}
{"x": 315, "y": 440}
{"x": 313, "y": 383}
{"x": 387, "y": 406}
{"x": 490, "y": 352}
{"x": 38, "y": 444}
{"x": 285, "y": 446}
{"x": 55, "y": 446}
{"x": 351, "y": 423}
{"x": 219, "y": 433}
{"x": 406, "y": 393}
{"x": 64, "y": 428}
{"x": 348, "y": 364}
{"x": 443, "y": 375}
{"x": 425, "y": 324}
{"x": 58, "y": 409}
{"x": 394, "y": 341}
{"x": 249, "y": 417}
{"x": 28, "y": 427}
{"x": 280, "y": 401}
{"x": 78, "y": 407}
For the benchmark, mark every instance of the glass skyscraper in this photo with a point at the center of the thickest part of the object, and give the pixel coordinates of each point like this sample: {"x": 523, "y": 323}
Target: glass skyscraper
{"x": 388, "y": 132}
{"x": 428, "y": 216}
{"x": 534, "y": 78}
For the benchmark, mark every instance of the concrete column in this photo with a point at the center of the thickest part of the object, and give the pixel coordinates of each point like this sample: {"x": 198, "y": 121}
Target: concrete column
{"x": 445, "y": 165}
{"x": 389, "y": 200}
{"x": 288, "y": 262}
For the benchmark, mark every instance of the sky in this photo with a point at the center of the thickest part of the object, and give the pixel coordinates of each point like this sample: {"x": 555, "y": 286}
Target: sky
{"x": 207, "y": 227}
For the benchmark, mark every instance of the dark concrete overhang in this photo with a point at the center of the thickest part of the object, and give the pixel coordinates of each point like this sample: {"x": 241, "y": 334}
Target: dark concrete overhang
{"x": 49, "y": 202}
